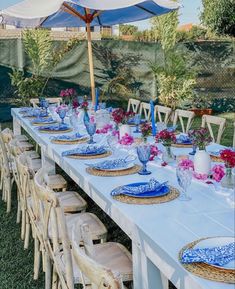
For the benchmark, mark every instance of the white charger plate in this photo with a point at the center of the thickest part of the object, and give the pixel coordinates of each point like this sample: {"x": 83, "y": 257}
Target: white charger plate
{"x": 214, "y": 242}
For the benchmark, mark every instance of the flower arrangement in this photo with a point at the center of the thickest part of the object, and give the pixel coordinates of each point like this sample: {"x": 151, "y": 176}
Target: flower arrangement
{"x": 200, "y": 137}
{"x": 122, "y": 117}
{"x": 67, "y": 94}
{"x": 84, "y": 105}
{"x": 126, "y": 140}
{"x": 61, "y": 107}
{"x": 186, "y": 164}
{"x": 218, "y": 172}
{"x": 228, "y": 156}
{"x": 75, "y": 104}
{"x": 105, "y": 129}
{"x": 166, "y": 137}
{"x": 146, "y": 130}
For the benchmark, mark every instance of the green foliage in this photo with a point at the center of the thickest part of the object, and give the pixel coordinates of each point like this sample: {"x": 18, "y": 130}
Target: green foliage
{"x": 219, "y": 16}
{"x": 175, "y": 76}
{"x": 128, "y": 29}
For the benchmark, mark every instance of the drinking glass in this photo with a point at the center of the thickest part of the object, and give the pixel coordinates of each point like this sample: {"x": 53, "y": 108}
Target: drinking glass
{"x": 62, "y": 114}
{"x": 75, "y": 123}
{"x": 193, "y": 152}
{"x": 144, "y": 152}
{"x": 184, "y": 178}
{"x": 52, "y": 109}
{"x": 91, "y": 129}
{"x": 112, "y": 141}
{"x": 137, "y": 120}
{"x": 45, "y": 104}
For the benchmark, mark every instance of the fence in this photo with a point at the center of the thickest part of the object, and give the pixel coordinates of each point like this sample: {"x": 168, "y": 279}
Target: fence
{"x": 216, "y": 62}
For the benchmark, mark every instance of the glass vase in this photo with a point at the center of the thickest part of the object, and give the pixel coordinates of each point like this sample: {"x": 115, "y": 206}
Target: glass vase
{"x": 168, "y": 157}
{"x": 228, "y": 180}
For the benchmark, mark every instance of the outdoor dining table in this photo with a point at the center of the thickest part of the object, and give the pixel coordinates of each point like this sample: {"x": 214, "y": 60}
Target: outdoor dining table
{"x": 158, "y": 232}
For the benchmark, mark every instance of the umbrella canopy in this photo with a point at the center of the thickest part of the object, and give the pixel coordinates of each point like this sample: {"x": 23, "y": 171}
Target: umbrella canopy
{"x": 77, "y": 13}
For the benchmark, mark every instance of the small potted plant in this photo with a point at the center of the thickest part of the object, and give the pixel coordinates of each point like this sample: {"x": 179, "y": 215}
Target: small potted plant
{"x": 201, "y": 104}
{"x": 121, "y": 119}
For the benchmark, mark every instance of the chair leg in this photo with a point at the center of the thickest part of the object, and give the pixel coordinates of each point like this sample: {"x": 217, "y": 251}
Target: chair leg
{"x": 27, "y": 232}
{"x": 8, "y": 197}
{"x": 23, "y": 224}
{"x": 48, "y": 273}
{"x": 54, "y": 279}
{"x": 37, "y": 257}
{"x": 18, "y": 216}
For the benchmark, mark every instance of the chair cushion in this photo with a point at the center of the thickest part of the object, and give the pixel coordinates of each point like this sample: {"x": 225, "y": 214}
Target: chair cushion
{"x": 56, "y": 182}
{"x": 71, "y": 201}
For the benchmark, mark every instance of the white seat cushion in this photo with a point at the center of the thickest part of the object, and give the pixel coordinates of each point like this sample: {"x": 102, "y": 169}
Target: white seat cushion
{"x": 71, "y": 201}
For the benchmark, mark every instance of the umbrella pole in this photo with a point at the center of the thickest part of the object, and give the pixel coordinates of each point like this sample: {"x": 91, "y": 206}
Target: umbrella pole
{"x": 91, "y": 65}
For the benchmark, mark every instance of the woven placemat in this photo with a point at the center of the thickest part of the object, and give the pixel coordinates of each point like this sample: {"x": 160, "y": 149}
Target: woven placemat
{"x": 69, "y": 142}
{"x": 207, "y": 271}
{"x": 181, "y": 145}
{"x": 107, "y": 154}
{"x": 173, "y": 194}
{"x": 134, "y": 170}
{"x": 55, "y": 131}
{"x": 44, "y": 123}
{"x": 216, "y": 159}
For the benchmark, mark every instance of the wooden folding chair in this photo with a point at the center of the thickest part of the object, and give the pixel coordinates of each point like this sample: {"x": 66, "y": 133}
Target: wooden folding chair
{"x": 208, "y": 120}
{"x": 133, "y": 105}
{"x": 184, "y": 115}
{"x": 145, "y": 110}
{"x": 51, "y": 100}
{"x": 163, "y": 113}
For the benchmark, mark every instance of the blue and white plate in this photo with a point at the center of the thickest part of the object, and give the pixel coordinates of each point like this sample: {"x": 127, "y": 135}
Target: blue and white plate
{"x": 184, "y": 139}
{"x": 140, "y": 190}
{"x": 217, "y": 242}
{"x": 72, "y": 138}
{"x": 111, "y": 165}
{"x": 54, "y": 128}
{"x": 25, "y": 109}
{"x": 34, "y": 113}
{"x": 86, "y": 151}
{"x": 132, "y": 121}
{"x": 38, "y": 121}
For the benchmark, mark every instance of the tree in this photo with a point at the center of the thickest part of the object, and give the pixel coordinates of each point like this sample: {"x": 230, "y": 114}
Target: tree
{"x": 128, "y": 29}
{"x": 219, "y": 16}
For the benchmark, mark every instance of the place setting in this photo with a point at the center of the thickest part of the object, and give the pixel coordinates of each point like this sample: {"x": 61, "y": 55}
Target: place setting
{"x": 211, "y": 258}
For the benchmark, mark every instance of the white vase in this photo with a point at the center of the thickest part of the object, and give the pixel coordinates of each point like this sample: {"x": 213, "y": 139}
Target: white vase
{"x": 202, "y": 162}
{"x": 124, "y": 129}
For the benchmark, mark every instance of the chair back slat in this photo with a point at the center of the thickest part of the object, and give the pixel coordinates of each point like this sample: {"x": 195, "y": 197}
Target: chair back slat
{"x": 145, "y": 110}
{"x": 163, "y": 113}
{"x": 182, "y": 115}
{"x": 209, "y": 120}
{"x": 133, "y": 105}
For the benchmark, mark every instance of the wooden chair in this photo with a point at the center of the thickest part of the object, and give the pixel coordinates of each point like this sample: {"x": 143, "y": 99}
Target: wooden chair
{"x": 100, "y": 266}
{"x": 145, "y": 110}
{"x": 57, "y": 233}
{"x": 133, "y": 105}
{"x": 163, "y": 113}
{"x": 208, "y": 120}
{"x": 183, "y": 115}
{"x": 234, "y": 135}
{"x": 51, "y": 100}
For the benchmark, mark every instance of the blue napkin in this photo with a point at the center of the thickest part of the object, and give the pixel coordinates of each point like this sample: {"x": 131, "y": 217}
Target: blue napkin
{"x": 89, "y": 150}
{"x": 110, "y": 164}
{"x": 74, "y": 137}
{"x": 151, "y": 186}
{"x": 220, "y": 255}
{"x": 183, "y": 139}
{"x": 57, "y": 127}
{"x": 172, "y": 128}
{"x": 43, "y": 120}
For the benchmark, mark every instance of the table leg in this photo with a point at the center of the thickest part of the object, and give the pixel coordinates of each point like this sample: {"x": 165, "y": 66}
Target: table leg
{"x": 47, "y": 162}
{"x": 16, "y": 126}
{"x": 146, "y": 275}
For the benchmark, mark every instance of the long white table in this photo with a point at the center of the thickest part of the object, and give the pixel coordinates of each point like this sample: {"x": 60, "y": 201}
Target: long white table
{"x": 158, "y": 232}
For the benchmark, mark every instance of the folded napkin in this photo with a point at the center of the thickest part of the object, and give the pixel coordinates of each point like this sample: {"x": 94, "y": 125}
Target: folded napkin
{"x": 73, "y": 137}
{"x": 184, "y": 139}
{"x": 88, "y": 150}
{"x": 172, "y": 128}
{"x": 220, "y": 255}
{"x": 111, "y": 164}
{"x": 151, "y": 186}
{"x": 56, "y": 127}
{"x": 43, "y": 120}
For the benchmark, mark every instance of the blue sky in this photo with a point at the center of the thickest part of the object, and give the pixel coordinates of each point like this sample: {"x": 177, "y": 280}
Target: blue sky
{"x": 188, "y": 14}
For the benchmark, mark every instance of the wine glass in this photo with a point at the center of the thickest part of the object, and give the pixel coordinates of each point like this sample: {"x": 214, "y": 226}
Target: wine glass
{"x": 137, "y": 120}
{"x": 144, "y": 152}
{"x": 62, "y": 114}
{"x": 112, "y": 141}
{"x": 91, "y": 129}
{"x": 184, "y": 178}
{"x": 193, "y": 152}
{"x": 75, "y": 124}
{"x": 45, "y": 104}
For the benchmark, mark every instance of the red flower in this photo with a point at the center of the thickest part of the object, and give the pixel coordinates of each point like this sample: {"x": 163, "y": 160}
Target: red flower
{"x": 228, "y": 156}
{"x": 166, "y": 137}
{"x": 75, "y": 103}
{"x": 120, "y": 116}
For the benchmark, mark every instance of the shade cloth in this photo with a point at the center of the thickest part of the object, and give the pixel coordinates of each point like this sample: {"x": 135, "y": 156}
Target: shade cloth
{"x": 32, "y": 13}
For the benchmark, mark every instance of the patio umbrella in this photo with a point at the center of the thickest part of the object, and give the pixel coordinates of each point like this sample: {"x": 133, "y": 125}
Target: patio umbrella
{"x": 78, "y": 13}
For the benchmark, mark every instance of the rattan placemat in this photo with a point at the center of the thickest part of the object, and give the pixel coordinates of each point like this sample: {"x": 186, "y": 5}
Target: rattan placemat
{"x": 55, "y": 131}
{"x": 216, "y": 159}
{"x": 173, "y": 194}
{"x": 44, "y": 123}
{"x": 135, "y": 169}
{"x": 181, "y": 145}
{"x": 81, "y": 157}
{"x": 207, "y": 271}
{"x": 69, "y": 142}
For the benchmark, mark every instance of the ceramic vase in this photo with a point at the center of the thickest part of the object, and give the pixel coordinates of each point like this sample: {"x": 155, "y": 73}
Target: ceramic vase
{"x": 202, "y": 162}
{"x": 124, "y": 129}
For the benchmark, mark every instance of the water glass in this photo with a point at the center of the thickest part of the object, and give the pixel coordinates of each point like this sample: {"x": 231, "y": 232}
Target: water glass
{"x": 45, "y": 104}
{"x": 184, "y": 178}
{"x": 144, "y": 152}
{"x": 91, "y": 129}
{"x": 137, "y": 120}
{"x": 74, "y": 123}
{"x": 112, "y": 141}
{"x": 62, "y": 114}
{"x": 193, "y": 152}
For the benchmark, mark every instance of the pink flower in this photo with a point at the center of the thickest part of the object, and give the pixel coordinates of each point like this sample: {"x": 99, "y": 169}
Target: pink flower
{"x": 154, "y": 152}
{"x": 62, "y": 106}
{"x": 199, "y": 176}
{"x": 164, "y": 164}
{"x": 115, "y": 133}
{"x": 92, "y": 119}
{"x": 126, "y": 140}
{"x": 218, "y": 172}
{"x": 186, "y": 164}
{"x": 105, "y": 129}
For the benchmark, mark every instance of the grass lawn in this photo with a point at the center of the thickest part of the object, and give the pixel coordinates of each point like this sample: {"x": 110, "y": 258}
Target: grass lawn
{"x": 17, "y": 264}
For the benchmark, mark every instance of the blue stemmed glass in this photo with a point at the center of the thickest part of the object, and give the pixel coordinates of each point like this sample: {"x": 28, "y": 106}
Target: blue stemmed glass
{"x": 184, "y": 178}
{"x": 91, "y": 129}
{"x": 137, "y": 120}
{"x": 62, "y": 114}
{"x": 144, "y": 152}
{"x": 45, "y": 104}
{"x": 193, "y": 152}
